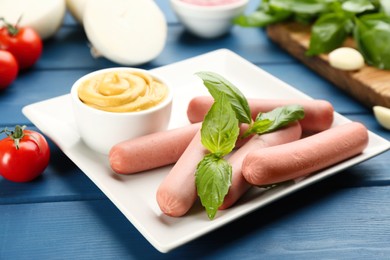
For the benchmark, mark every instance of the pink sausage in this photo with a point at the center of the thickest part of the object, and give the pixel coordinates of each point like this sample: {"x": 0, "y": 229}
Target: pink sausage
{"x": 151, "y": 151}
{"x": 305, "y": 156}
{"x": 318, "y": 113}
{"x": 177, "y": 193}
{"x": 256, "y": 143}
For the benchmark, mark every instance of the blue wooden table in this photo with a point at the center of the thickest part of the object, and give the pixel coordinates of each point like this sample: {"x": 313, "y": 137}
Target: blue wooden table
{"x": 63, "y": 215}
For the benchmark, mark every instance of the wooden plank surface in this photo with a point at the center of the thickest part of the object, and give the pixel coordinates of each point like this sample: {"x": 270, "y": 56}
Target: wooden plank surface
{"x": 356, "y": 221}
{"x": 369, "y": 85}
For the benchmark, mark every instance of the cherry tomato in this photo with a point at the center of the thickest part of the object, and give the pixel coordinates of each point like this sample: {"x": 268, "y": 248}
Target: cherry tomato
{"x": 23, "y": 42}
{"x": 8, "y": 69}
{"x": 24, "y": 154}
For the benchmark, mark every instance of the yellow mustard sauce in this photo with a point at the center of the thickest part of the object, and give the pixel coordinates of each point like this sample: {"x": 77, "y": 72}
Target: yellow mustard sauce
{"x": 122, "y": 91}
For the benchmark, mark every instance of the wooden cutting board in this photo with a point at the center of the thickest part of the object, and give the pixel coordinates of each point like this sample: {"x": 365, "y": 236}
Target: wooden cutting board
{"x": 369, "y": 85}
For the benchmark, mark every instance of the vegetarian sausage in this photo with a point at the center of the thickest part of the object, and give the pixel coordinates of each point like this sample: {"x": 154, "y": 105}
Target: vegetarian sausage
{"x": 152, "y": 150}
{"x": 305, "y": 156}
{"x": 239, "y": 185}
{"x": 177, "y": 192}
{"x": 318, "y": 113}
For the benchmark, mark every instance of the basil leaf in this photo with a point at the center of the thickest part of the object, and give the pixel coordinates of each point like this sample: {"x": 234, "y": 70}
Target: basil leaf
{"x": 328, "y": 33}
{"x": 261, "y": 19}
{"x": 372, "y": 36}
{"x": 300, "y": 6}
{"x": 275, "y": 119}
{"x": 358, "y": 6}
{"x": 220, "y": 128}
{"x": 216, "y": 84}
{"x": 283, "y": 115}
{"x": 213, "y": 178}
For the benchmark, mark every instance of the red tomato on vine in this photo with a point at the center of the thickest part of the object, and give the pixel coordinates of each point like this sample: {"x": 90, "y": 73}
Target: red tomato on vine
{"x": 24, "y": 154}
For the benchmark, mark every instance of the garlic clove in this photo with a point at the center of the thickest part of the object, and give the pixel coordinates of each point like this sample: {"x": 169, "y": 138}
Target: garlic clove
{"x": 382, "y": 115}
{"x": 346, "y": 58}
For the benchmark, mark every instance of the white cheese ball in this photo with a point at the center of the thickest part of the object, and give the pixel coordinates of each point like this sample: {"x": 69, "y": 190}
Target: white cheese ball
{"x": 346, "y": 58}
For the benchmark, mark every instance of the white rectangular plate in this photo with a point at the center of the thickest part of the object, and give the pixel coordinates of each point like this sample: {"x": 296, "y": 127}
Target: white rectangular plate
{"x": 134, "y": 195}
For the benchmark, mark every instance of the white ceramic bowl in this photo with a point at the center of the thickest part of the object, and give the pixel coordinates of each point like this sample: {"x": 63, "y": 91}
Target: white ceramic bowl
{"x": 208, "y": 21}
{"x": 100, "y": 130}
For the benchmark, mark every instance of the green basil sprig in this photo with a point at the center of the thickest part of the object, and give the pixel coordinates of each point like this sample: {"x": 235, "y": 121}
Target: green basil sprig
{"x": 219, "y": 132}
{"x": 332, "y": 22}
